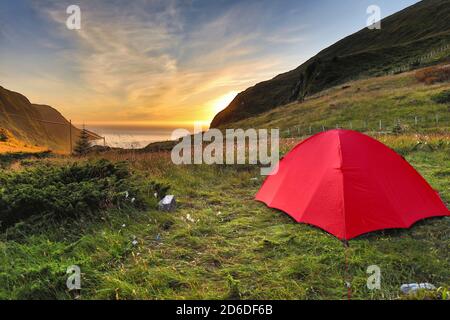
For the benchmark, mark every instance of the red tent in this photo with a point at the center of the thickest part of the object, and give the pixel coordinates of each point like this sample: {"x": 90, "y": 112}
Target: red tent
{"x": 349, "y": 184}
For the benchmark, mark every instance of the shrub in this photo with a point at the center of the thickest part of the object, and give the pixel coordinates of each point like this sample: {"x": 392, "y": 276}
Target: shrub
{"x": 433, "y": 74}
{"x": 7, "y": 159}
{"x": 442, "y": 97}
{"x": 65, "y": 191}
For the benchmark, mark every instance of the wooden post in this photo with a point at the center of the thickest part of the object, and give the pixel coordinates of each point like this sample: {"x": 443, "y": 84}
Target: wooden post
{"x": 70, "y": 136}
{"x": 381, "y": 127}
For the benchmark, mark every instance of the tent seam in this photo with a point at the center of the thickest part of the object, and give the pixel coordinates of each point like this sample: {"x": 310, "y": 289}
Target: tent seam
{"x": 343, "y": 192}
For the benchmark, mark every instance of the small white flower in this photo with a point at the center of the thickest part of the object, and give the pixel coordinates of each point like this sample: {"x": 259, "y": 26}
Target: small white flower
{"x": 134, "y": 242}
{"x": 133, "y": 200}
{"x": 124, "y": 225}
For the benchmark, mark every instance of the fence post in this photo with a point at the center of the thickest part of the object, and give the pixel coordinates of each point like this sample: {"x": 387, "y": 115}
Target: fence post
{"x": 381, "y": 127}
{"x": 70, "y": 136}
{"x": 310, "y": 130}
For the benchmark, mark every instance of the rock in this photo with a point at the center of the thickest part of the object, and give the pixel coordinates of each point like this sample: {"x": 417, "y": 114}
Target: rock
{"x": 413, "y": 287}
{"x": 168, "y": 203}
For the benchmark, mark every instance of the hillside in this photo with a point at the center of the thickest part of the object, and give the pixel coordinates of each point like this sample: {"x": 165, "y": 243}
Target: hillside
{"x": 34, "y": 126}
{"x": 414, "y": 37}
{"x": 393, "y": 100}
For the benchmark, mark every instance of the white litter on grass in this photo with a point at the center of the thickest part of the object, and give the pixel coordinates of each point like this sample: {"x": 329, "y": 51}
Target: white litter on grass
{"x": 413, "y": 287}
{"x": 168, "y": 203}
{"x": 189, "y": 218}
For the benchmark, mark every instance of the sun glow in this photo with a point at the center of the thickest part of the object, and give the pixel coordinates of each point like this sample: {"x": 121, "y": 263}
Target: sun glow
{"x": 222, "y": 102}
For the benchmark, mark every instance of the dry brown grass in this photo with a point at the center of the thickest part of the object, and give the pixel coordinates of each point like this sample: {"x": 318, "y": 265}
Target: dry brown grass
{"x": 433, "y": 74}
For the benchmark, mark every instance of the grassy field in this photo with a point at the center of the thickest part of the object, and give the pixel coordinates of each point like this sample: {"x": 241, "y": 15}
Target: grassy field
{"x": 220, "y": 243}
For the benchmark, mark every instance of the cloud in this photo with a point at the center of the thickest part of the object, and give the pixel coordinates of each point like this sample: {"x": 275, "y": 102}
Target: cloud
{"x": 149, "y": 60}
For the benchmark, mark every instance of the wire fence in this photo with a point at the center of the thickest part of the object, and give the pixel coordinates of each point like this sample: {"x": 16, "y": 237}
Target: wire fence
{"x": 413, "y": 63}
{"x": 413, "y": 124}
{"x": 68, "y": 124}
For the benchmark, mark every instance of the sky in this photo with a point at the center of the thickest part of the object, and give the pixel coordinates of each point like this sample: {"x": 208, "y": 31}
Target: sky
{"x": 163, "y": 62}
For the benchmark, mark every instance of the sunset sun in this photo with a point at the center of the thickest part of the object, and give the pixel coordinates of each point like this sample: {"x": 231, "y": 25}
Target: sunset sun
{"x": 223, "y": 101}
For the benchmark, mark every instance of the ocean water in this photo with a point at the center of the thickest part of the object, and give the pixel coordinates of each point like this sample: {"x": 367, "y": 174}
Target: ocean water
{"x": 131, "y": 137}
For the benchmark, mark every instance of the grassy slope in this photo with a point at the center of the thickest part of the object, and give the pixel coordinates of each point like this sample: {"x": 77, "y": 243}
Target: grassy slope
{"x": 21, "y": 118}
{"x": 406, "y": 36}
{"x": 386, "y": 98}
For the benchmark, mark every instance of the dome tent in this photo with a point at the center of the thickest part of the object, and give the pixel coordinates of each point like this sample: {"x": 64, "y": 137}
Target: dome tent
{"x": 348, "y": 184}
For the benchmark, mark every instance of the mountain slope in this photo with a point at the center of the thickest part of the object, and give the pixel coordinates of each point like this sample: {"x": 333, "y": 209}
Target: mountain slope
{"x": 404, "y": 38}
{"x": 35, "y": 125}
{"x": 368, "y": 105}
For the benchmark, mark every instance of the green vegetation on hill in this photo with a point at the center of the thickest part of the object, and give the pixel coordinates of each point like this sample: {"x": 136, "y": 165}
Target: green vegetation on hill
{"x": 414, "y": 37}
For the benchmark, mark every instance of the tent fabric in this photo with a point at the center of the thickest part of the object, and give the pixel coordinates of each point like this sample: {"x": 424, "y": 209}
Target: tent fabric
{"x": 348, "y": 184}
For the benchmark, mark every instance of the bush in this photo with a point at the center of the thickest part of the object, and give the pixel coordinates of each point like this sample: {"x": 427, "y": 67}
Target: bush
{"x": 442, "y": 97}
{"x": 65, "y": 191}
{"x": 433, "y": 74}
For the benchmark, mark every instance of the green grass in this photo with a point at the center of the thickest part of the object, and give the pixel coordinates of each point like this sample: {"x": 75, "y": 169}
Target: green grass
{"x": 234, "y": 248}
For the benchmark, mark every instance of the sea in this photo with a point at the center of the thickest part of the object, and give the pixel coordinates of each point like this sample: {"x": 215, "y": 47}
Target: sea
{"x": 132, "y": 137}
